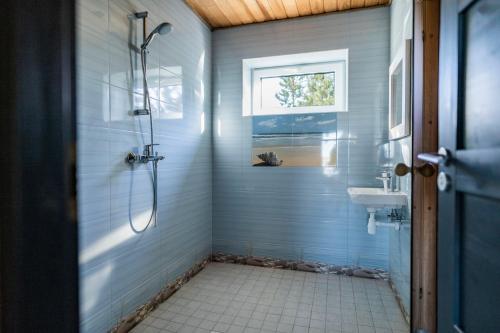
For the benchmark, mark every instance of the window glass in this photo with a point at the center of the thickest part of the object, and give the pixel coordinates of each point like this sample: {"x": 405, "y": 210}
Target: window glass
{"x": 314, "y": 89}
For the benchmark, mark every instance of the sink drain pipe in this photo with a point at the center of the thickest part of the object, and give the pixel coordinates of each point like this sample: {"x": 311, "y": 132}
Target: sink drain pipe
{"x": 373, "y": 224}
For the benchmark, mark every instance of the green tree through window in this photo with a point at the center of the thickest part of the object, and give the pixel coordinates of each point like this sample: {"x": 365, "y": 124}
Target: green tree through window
{"x": 320, "y": 90}
{"x": 307, "y": 90}
{"x": 292, "y": 90}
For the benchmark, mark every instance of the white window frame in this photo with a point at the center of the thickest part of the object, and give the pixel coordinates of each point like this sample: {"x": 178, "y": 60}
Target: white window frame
{"x": 317, "y": 62}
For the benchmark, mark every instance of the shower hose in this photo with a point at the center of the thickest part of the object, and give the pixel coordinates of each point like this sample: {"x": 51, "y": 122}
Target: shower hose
{"x": 154, "y": 176}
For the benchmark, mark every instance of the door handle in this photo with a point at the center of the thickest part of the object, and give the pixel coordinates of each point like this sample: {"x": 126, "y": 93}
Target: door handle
{"x": 426, "y": 170}
{"x": 442, "y": 157}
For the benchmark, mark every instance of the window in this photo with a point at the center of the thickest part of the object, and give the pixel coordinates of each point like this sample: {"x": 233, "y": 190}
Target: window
{"x": 293, "y": 101}
{"x": 310, "y": 88}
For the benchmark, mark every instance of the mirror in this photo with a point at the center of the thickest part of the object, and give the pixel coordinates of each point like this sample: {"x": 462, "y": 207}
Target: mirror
{"x": 400, "y": 93}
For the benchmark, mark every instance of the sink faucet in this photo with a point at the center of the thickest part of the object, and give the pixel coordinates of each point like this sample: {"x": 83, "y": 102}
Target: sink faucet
{"x": 386, "y": 178}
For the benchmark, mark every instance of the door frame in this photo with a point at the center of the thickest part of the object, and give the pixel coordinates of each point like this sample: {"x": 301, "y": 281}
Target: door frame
{"x": 425, "y": 139}
{"x": 38, "y": 230}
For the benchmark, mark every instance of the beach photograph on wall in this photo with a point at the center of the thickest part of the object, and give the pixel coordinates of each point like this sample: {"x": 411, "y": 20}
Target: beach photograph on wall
{"x": 295, "y": 140}
{"x": 294, "y": 125}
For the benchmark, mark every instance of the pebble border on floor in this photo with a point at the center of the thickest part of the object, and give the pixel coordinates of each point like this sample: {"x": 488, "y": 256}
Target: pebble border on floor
{"x": 129, "y": 322}
{"x": 305, "y": 266}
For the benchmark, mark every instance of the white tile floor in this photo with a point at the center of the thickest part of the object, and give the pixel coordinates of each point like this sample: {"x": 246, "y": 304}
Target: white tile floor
{"x": 230, "y": 298}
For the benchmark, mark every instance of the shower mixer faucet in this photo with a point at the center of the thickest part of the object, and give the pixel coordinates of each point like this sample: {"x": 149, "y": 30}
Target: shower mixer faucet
{"x": 147, "y": 155}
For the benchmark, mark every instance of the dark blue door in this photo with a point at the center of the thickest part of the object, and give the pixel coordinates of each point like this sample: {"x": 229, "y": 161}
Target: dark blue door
{"x": 469, "y": 179}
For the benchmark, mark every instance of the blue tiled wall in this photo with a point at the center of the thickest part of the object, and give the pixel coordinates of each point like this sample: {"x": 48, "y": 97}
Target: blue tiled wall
{"x": 120, "y": 270}
{"x": 400, "y": 240}
{"x": 401, "y": 152}
{"x": 302, "y": 213}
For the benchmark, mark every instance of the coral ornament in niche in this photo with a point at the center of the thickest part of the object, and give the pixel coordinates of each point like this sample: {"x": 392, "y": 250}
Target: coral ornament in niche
{"x": 269, "y": 159}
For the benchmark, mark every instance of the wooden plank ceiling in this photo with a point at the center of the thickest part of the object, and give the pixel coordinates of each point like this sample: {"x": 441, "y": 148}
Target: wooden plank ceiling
{"x": 229, "y": 13}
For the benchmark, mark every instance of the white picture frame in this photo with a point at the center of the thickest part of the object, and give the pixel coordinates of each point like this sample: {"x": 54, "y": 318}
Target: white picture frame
{"x": 400, "y": 92}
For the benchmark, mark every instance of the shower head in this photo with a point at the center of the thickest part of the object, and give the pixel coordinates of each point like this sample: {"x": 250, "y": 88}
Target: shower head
{"x": 161, "y": 29}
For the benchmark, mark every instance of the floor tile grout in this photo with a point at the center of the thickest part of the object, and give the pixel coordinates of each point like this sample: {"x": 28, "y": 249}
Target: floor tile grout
{"x": 229, "y": 298}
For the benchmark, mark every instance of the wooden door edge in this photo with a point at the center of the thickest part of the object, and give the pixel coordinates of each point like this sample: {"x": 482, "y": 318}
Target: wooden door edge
{"x": 425, "y": 139}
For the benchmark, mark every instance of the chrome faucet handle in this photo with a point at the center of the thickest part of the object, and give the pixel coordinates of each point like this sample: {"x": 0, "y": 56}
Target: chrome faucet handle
{"x": 148, "y": 149}
{"x": 159, "y": 157}
{"x": 131, "y": 158}
{"x": 386, "y": 180}
{"x": 384, "y": 175}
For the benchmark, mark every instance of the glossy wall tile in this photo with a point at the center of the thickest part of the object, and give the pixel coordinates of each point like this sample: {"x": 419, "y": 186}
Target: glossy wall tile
{"x": 121, "y": 269}
{"x": 302, "y": 212}
{"x": 401, "y": 152}
{"x": 207, "y": 185}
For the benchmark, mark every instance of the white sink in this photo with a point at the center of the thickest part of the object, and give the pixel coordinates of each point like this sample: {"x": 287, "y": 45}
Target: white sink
{"x": 372, "y": 197}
